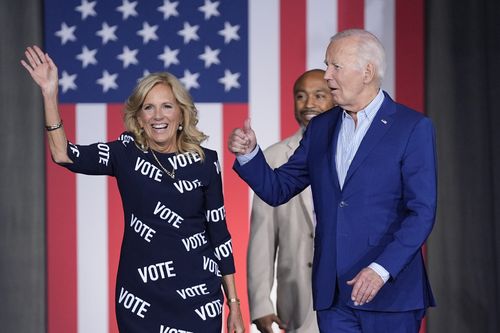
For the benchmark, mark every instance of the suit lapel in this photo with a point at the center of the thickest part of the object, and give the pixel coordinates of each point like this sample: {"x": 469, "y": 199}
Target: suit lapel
{"x": 307, "y": 202}
{"x": 306, "y": 195}
{"x": 333, "y": 136}
{"x": 379, "y": 126}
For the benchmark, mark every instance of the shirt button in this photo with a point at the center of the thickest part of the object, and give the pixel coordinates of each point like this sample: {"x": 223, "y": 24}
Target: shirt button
{"x": 343, "y": 204}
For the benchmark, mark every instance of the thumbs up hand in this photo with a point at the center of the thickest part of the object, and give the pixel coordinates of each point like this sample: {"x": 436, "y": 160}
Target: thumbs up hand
{"x": 242, "y": 140}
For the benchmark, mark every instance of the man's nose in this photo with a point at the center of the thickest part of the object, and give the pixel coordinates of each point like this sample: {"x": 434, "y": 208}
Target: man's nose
{"x": 309, "y": 102}
{"x": 328, "y": 74}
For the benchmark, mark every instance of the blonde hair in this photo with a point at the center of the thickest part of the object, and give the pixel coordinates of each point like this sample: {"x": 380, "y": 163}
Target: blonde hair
{"x": 188, "y": 139}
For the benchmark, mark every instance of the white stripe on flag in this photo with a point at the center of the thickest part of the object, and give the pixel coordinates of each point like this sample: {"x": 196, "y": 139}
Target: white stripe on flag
{"x": 210, "y": 122}
{"x": 92, "y": 232}
{"x": 380, "y": 20}
{"x": 264, "y": 73}
{"x": 318, "y": 35}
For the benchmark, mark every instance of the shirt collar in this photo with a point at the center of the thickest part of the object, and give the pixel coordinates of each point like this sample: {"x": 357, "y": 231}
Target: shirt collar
{"x": 371, "y": 109}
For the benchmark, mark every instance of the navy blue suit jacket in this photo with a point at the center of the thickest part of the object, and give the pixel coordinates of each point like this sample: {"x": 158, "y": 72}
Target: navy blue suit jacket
{"x": 384, "y": 213}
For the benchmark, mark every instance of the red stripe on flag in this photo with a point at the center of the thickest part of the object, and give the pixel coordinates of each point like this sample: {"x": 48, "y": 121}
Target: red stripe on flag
{"x": 410, "y": 54}
{"x": 409, "y": 66}
{"x": 351, "y": 14}
{"x": 115, "y": 215}
{"x": 236, "y": 201}
{"x": 61, "y": 239}
{"x": 292, "y": 58}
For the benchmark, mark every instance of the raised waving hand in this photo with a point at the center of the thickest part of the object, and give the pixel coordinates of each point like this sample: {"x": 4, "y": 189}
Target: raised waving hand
{"x": 44, "y": 72}
{"x": 42, "y": 69}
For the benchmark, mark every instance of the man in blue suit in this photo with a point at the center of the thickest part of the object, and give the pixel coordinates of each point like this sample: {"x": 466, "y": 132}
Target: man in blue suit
{"x": 371, "y": 165}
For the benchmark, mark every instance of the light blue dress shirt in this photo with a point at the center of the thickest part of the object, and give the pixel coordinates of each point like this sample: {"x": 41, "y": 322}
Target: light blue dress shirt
{"x": 350, "y": 137}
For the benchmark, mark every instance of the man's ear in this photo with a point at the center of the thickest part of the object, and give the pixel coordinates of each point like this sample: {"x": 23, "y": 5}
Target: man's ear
{"x": 369, "y": 73}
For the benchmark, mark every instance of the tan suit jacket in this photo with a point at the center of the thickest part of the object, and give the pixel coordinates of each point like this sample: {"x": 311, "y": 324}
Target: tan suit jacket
{"x": 289, "y": 229}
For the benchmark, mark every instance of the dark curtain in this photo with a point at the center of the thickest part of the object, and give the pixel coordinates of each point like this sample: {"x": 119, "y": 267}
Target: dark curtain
{"x": 462, "y": 98}
{"x": 22, "y": 207}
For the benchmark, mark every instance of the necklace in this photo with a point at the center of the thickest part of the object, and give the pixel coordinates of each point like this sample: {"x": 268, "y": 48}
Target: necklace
{"x": 171, "y": 174}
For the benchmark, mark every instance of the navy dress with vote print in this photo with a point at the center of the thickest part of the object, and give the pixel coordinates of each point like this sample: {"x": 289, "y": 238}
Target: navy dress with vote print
{"x": 176, "y": 245}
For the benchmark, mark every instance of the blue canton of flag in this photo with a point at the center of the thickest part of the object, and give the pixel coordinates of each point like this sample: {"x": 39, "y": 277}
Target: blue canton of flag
{"x": 102, "y": 48}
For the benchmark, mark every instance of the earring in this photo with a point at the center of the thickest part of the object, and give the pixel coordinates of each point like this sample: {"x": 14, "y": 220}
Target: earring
{"x": 180, "y": 128}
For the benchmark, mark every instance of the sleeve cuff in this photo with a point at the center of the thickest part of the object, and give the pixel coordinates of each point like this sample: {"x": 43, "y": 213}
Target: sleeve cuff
{"x": 244, "y": 159}
{"x": 381, "y": 271}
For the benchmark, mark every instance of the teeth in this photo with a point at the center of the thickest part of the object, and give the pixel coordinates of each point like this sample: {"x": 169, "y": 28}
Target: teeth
{"x": 159, "y": 126}
{"x": 310, "y": 113}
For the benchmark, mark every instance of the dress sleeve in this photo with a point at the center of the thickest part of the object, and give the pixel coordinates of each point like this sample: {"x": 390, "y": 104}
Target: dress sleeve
{"x": 216, "y": 217}
{"x": 93, "y": 159}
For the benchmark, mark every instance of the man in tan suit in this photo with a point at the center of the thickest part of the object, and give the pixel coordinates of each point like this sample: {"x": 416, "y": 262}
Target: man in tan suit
{"x": 286, "y": 232}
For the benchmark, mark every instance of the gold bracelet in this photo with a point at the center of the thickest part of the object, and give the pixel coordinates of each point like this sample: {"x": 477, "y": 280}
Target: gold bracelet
{"x": 233, "y": 300}
{"x": 54, "y": 127}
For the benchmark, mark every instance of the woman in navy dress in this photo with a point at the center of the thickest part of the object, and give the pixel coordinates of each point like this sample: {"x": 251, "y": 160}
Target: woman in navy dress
{"x": 176, "y": 250}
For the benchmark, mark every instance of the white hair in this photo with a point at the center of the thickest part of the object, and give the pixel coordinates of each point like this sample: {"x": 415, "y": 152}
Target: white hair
{"x": 370, "y": 50}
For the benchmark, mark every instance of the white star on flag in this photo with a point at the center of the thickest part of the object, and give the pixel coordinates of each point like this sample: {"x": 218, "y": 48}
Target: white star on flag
{"x": 107, "y": 81}
{"x": 107, "y": 33}
{"x": 168, "y": 9}
{"x": 229, "y": 80}
{"x": 130, "y": 36}
{"x": 66, "y": 33}
{"x": 87, "y": 56}
{"x": 209, "y": 9}
{"x": 67, "y": 81}
{"x": 229, "y": 32}
{"x": 210, "y": 56}
{"x": 148, "y": 32}
{"x": 144, "y": 74}
{"x": 86, "y": 9}
{"x": 169, "y": 57}
{"x": 189, "y": 32}
{"x": 190, "y": 80}
{"x": 128, "y": 57}
{"x": 127, "y": 9}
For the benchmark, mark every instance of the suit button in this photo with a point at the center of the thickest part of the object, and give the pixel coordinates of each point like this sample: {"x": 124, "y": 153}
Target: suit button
{"x": 343, "y": 204}
{"x": 309, "y": 264}
{"x": 311, "y": 235}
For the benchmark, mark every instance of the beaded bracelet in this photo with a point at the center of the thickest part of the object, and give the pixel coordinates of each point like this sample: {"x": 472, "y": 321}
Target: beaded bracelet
{"x": 54, "y": 127}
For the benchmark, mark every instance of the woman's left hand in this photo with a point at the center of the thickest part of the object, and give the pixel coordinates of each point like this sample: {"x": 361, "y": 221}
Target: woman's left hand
{"x": 42, "y": 69}
{"x": 235, "y": 320}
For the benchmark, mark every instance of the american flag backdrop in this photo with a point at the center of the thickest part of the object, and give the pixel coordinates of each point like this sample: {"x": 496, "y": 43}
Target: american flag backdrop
{"x": 238, "y": 58}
